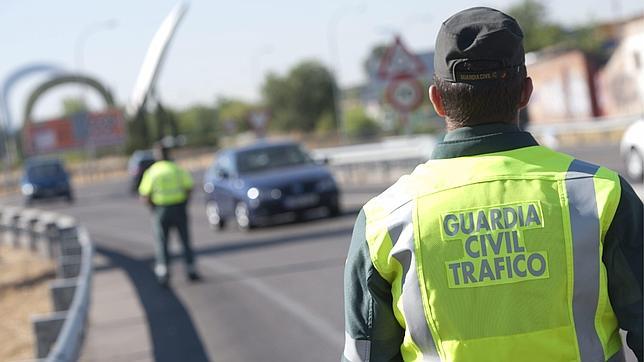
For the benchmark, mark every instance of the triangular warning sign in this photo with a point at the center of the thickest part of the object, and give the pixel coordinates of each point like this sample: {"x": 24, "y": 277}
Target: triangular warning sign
{"x": 398, "y": 61}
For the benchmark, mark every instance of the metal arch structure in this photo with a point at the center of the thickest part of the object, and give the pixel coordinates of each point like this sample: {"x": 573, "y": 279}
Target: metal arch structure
{"x": 61, "y": 80}
{"x": 6, "y": 123}
{"x": 144, "y": 91}
{"x": 151, "y": 67}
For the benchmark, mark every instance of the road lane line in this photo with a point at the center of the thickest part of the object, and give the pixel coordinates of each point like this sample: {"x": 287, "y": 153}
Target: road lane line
{"x": 323, "y": 328}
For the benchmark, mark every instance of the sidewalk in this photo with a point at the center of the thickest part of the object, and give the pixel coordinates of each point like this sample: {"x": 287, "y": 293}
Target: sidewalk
{"x": 117, "y": 328}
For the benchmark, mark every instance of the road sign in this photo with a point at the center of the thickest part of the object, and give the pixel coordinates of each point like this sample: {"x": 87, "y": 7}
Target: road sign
{"x": 405, "y": 94}
{"x": 401, "y": 69}
{"x": 398, "y": 61}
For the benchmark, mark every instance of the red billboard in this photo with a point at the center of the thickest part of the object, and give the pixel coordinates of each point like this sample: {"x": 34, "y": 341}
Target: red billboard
{"x": 97, "y": 129}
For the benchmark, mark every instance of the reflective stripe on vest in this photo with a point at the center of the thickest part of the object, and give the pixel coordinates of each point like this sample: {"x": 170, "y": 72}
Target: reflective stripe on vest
{"x": 584, "y": 225}
{"x": 401, "y": 232}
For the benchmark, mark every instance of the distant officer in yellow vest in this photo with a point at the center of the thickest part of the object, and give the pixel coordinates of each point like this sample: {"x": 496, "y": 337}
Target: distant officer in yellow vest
{"x": 496, "y": 249}
{"x": 166, "y": 188}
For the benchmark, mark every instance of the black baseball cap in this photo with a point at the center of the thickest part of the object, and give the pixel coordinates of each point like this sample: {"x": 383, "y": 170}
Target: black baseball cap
{"x": 479, "y": 44}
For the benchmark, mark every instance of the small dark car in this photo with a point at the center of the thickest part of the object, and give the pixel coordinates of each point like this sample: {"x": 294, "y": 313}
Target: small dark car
{"x": 140, "y": 161}
{"x": 45, "y": 178}
{"x": 258, "y": 184}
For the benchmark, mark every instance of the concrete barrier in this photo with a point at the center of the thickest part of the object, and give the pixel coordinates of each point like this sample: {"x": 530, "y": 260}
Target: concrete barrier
{"x": 58, "y": 335}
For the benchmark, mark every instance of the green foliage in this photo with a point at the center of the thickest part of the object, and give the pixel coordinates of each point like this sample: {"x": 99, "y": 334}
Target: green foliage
{"x": 200, "y": 125}
{"x": 358, "y": 124}
{"x": 301, "y": 99}
{"x": 235, "y": 110}
{"x": 73, "y": 105}
{"x": 137, "y": 137}
{"x": 538, "y": 31}
{"x": 326, "y": 124}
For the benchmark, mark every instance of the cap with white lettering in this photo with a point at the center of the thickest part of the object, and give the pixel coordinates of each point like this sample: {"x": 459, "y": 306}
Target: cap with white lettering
{"x": 479, "y": 44}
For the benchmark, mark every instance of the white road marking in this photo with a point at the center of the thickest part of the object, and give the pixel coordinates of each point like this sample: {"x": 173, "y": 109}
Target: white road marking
{"x": 322, "y": 327}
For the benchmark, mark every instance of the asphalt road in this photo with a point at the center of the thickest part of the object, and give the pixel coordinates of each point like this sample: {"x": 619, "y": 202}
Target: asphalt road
{"x": 274, "y": 294}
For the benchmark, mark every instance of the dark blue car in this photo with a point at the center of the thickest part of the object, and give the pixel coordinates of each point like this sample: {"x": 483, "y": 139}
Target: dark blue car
{"x": 267, "y": 182}
{"x": 45, "y": 178}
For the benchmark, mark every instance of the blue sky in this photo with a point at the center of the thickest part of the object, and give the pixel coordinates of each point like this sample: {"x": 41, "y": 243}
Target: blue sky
{"x": 225, "y": 48}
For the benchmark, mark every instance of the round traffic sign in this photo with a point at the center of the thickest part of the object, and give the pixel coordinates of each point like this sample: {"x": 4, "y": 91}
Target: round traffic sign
{"x": 405, "y": 94}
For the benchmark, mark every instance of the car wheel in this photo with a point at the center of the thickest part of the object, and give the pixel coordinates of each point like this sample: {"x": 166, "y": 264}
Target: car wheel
{"x": 214, "y": 215}
{"x": 242, "y": 216}
{"x": 69, "y": 198}
{"x": 635, "y": 165}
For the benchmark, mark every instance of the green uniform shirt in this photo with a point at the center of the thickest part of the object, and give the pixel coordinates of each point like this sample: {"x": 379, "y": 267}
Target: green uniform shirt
{"x": 369, "y": 314}
{"x": 165, "y": 184}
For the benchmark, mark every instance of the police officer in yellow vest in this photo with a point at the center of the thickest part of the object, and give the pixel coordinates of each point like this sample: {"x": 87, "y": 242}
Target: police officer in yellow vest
{"x": 497, "y": 248}
{"x": 166, "y": 188}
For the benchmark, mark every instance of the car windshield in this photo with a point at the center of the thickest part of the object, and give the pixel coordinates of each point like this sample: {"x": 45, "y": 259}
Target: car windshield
{"x": 45, "y": 171}
{"x": 271, "y": 157}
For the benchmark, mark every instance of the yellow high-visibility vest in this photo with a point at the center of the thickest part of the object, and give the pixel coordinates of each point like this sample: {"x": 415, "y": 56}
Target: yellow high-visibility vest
{"x": 165, "y": 183}
{"x": 497, "y": 257}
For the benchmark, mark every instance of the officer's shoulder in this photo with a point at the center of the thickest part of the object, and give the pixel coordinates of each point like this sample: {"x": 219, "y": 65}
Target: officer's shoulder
{"x": 394, "y": 197}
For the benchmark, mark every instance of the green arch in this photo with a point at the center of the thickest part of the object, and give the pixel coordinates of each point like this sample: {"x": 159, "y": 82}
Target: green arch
{"x": 65, "y": 79}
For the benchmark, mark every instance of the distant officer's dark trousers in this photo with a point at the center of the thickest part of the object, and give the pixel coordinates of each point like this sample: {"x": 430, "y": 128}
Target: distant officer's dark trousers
{"x": 167, "y": 218}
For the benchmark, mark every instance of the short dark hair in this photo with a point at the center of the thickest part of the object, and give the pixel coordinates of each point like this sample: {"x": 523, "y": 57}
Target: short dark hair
{"x": 470, "y": 104}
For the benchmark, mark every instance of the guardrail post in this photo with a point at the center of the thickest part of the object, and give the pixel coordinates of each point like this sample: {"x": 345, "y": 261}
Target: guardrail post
{"x": 28, "y": 219}
{"x": 46, "y": 329}
{"x": 52, "y": 238}
{"x": 14, "y": 230}
{"x": 69, "y": 260}
{"x": 62, "y": 293}
{"x": 68, "y": 266}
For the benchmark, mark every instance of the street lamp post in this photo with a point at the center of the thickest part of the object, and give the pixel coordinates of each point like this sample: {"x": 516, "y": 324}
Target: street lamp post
{"x": 81, "y": 41}
{"x": 79, "y": 50}
{"x": 255, "y": 63}
{"x": 335, "y": 61}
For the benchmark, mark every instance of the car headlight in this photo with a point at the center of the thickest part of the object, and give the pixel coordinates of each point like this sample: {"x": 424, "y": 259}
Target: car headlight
{"x": 263, "y": 194}
{"x": 325, "y": 185}
{"x": 253, "y": 193}
{"x": 27, "y": 189}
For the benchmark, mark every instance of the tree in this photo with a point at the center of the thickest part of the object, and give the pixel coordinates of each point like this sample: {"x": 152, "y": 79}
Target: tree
{"x": 538, "y": 31}
{"x": 370, "y": 65}
{"x": 73, "y": 105}
{"x": 200, "y": 124}
{"x": 299, "y": 100}
{"x": 234, "y": 110}
{"x": 359, "y": 124}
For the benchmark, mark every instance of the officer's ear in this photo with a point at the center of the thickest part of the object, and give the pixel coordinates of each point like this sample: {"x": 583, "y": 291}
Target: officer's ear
{"x": 526, "y": 92}
{"x": 437, "y": 100}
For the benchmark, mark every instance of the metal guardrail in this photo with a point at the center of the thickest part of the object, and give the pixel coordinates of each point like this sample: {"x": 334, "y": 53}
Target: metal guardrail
{"x": 391, "y": 149}
{"x": 69, "y": 342}
{"x": 58, "y": 335}
{"x": 381, "y": 162}
{"x": 605, "y": 124}
{"x": 590, "y": 130}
